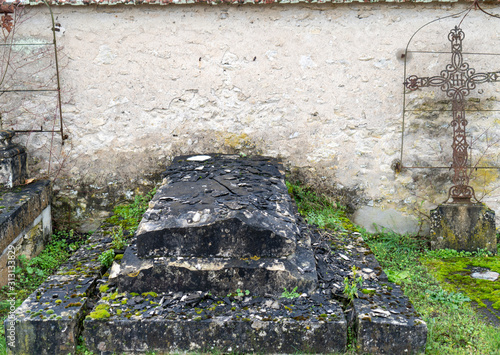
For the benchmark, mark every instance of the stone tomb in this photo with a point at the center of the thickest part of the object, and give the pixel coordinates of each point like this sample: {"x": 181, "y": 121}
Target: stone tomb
{"x": 206, "y": 271}
{"x": 219, "y": 225}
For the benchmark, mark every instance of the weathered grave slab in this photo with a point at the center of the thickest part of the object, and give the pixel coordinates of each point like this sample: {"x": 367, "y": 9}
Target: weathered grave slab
{"x": 225, "y": 206}
{"x": 224, "y": 223}
{"x": 174, "y": 300}
{"x": 200, "y": 321}
{"x": 463, "y": 227}
{"x": 386, "y": 322}
{"x": 48, "y": 321}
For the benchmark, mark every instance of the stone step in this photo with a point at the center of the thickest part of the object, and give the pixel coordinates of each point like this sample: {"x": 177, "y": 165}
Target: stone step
{"x": 260, "y": 275}
{"x": 203, "y": 322}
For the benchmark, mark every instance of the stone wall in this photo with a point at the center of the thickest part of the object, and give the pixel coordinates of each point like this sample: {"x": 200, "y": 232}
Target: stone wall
{"x": 318, "y": 85}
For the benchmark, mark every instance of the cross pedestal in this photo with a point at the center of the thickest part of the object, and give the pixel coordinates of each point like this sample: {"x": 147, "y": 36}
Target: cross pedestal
{"x": 461, "y": 224}
{"x": 463, "y": 227}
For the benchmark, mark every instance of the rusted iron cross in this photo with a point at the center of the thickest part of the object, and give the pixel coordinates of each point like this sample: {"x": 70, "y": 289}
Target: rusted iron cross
{"x": 457, "y": 80}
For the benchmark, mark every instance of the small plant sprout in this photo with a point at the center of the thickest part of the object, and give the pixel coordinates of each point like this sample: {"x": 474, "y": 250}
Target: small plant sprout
{"x": 239, "y": 293}
{"x": 119, "y": 241}
{"x": 351, "y": 286}
{"x": 290, "y": 294}
{"x": 106, "y": 258}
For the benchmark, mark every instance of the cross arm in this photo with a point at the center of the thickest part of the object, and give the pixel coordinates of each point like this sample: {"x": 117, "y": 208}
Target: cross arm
{"x": 414, "y": 82}
{"x": 485, "y": 77}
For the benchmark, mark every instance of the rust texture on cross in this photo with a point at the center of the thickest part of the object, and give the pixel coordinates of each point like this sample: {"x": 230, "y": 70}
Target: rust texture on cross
{"x": 457, "y": 80}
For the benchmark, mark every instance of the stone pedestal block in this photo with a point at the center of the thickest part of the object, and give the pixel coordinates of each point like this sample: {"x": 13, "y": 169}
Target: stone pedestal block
{"x": 463, "y": 227}
{"x": 25, "y": 223}
{"x": 12, "y": 161}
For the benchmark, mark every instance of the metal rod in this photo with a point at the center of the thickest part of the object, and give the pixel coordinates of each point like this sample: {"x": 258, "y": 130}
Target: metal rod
{"x": 478, "y": 53}
{"x": 27, "y": 90}
{"x": 447, "y": 167}
{"x": 451, "y": 110}
{"x": 57, "y": 71}
{"x": 25, "y": 44}
{"x": 36, "y": 130}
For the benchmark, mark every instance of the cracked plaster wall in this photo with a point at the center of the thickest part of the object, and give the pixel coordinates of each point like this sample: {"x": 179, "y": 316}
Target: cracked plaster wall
{"x": 318, "y": 85}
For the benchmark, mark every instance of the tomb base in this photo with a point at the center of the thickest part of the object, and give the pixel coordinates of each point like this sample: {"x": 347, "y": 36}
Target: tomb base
{"x": 463, "y": 227}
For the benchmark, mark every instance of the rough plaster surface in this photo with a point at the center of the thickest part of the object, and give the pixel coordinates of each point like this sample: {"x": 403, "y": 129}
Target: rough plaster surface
{"x": 318, "y": 85}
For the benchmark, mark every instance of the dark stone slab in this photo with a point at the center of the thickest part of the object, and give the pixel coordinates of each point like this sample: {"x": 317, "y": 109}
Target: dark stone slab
{"x": 386, "y": 321}
{"x": 21, "y": 206}
{"x": 204, "y": 322}
{"x": 250, "y": 336}
{"x": 220, "y": 224}
{"x": 260, "y": 275}
{"x": 225, "y": 206}
{"x": 49, "y": 320}
{"x": 466, "y": 227}
{"x": 209, "y": 302}
{"x": 381, "y": 316}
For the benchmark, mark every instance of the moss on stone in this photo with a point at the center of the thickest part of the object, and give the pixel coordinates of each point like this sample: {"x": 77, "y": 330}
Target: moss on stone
{"x": 99, "y": 314}
{"x": 455, "y": 275}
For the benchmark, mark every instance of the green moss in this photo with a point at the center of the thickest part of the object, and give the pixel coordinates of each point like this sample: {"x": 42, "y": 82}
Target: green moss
{"x": 102, "y": 306}
{"x": 99, "y": 314}
{"x": 104, "y": 288}
{"x": 152, "y": 294}
{"x": 114, "y": 295}
{"x": 454, "y": 274}
{"x": 58, "y": 301}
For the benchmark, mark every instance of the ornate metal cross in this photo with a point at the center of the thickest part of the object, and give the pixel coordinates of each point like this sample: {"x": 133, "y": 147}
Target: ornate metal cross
{"x": 457, "y": 81}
